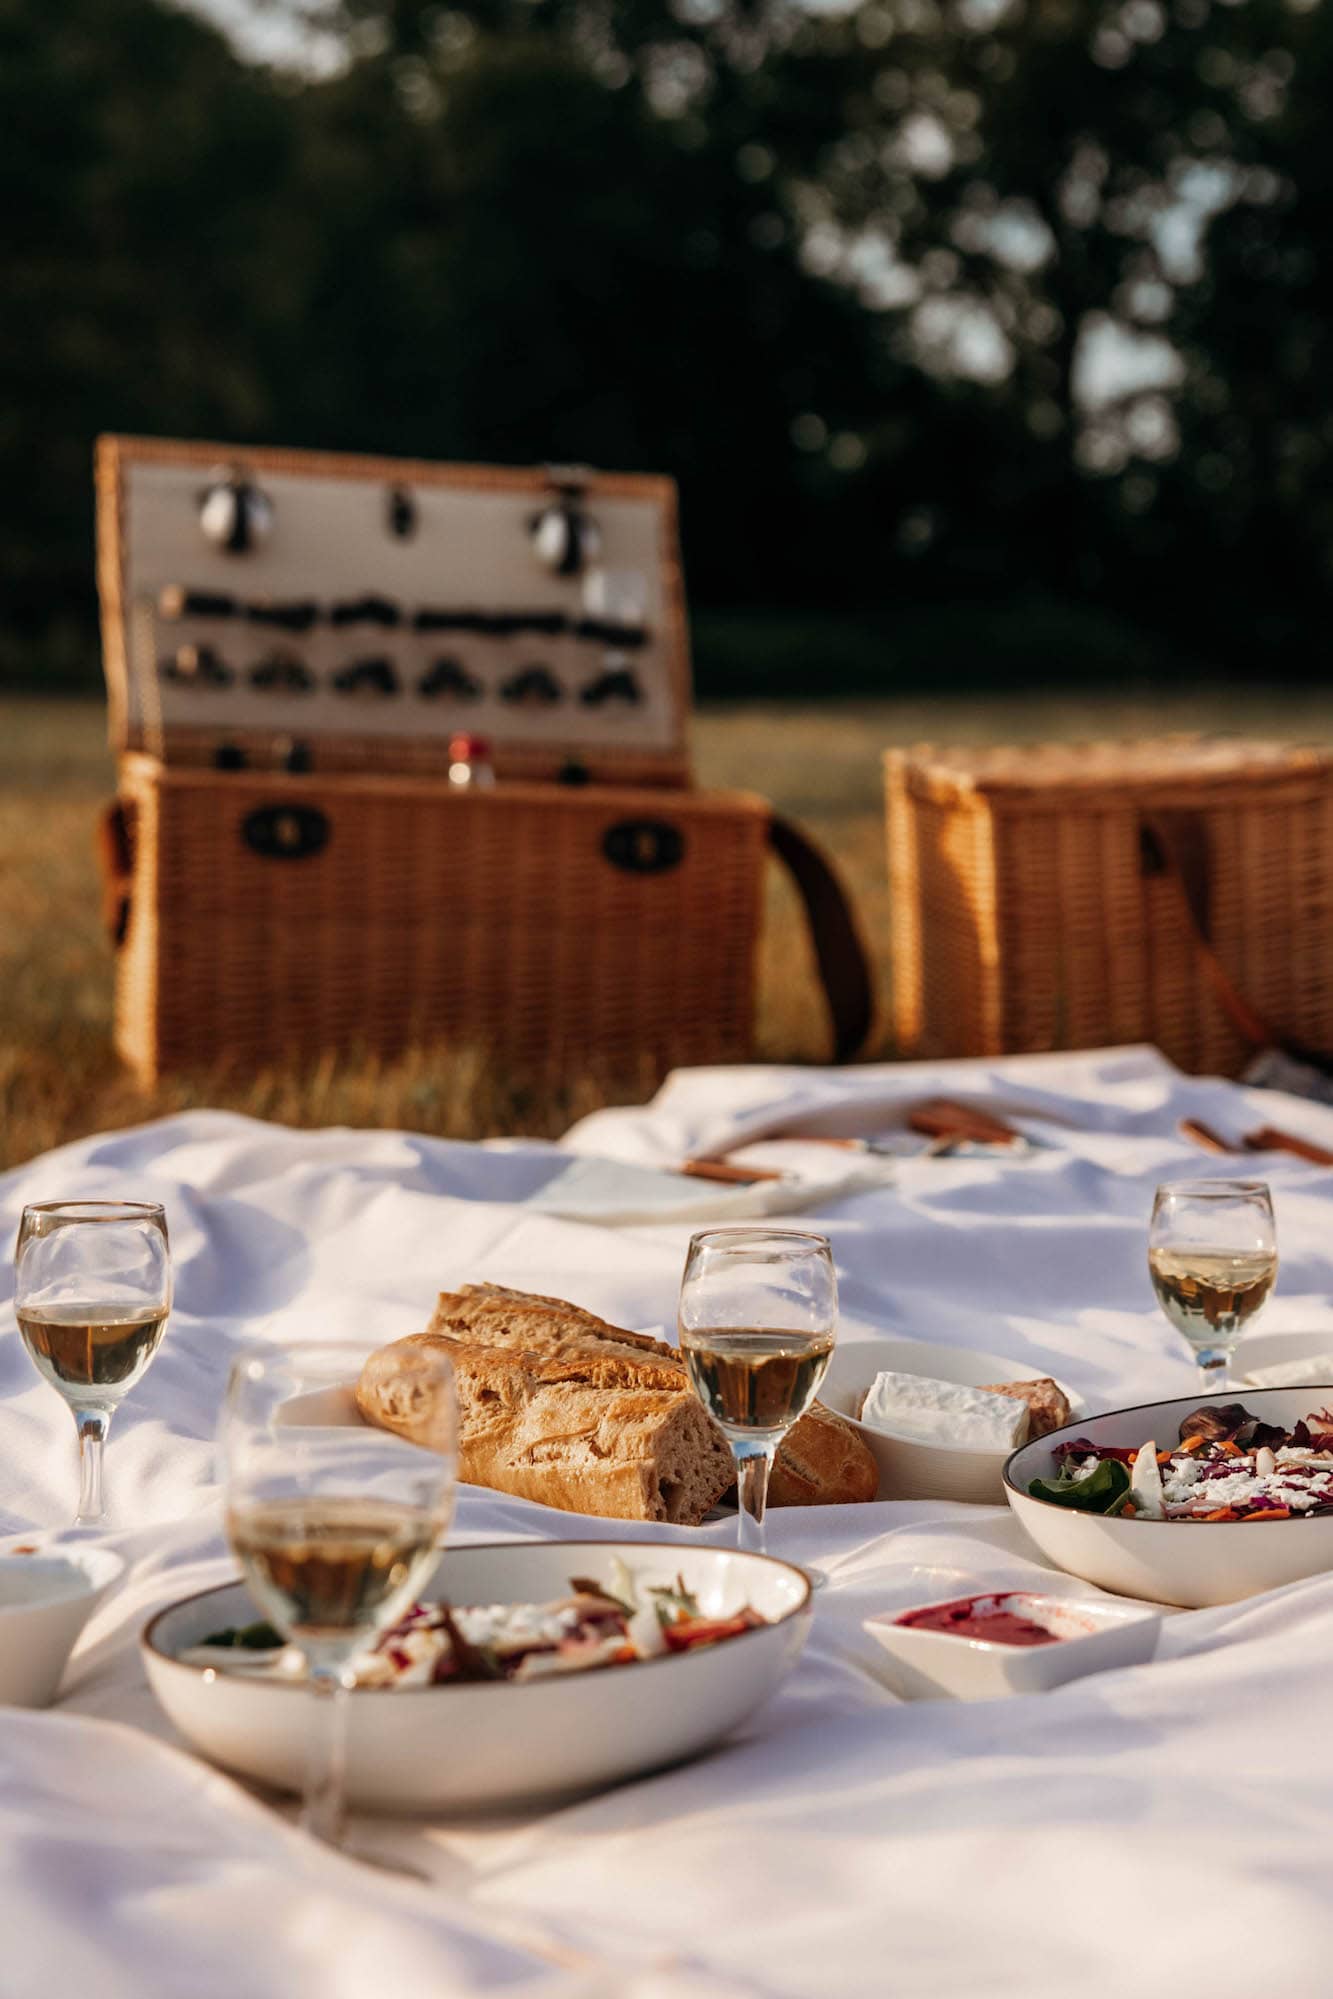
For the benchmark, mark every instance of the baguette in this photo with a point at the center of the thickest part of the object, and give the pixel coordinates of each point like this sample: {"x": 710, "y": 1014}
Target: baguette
{"x": 596, "y": 1352}
{"x": 527, "y": 1427}
{"x": 821, "y": 1461}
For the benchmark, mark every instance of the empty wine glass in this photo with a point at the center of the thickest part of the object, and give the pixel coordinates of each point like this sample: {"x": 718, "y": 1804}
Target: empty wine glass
{"x": 92, "y": 1291}
{"x": 758, "y": 1318}
{"x": 1212, "y": 1257}
{"x": 335, "y": 1526}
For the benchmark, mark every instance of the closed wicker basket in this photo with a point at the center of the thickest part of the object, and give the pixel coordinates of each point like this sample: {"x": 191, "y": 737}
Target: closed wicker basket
{"x": 1177, "y": 891}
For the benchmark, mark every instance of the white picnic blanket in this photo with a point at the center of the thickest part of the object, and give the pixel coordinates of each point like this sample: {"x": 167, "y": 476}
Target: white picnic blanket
{"x": 1171, "y": 1822}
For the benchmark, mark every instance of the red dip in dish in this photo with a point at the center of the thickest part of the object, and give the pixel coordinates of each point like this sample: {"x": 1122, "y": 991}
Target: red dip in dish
{"x": 985, "y": 1617}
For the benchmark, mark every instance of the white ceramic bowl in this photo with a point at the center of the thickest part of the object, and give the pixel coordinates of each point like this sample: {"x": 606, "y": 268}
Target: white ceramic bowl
{"x": 1194, "y": 1563}
{"x": 1094, "y": 1637}
{"x": 45, "y": 1601}
{"x": 460, "y": 1748}
{"x": 911, "y": 1470}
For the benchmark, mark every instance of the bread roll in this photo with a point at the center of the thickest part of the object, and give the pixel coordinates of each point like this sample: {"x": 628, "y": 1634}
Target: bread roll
{"x": 822, "y": 1462}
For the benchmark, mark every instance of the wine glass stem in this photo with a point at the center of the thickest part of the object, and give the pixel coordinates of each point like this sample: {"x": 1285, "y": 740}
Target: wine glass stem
{"x": 754, "y": 1462}
{"x": 322, "y": 1809}
{"x": 93, "y": 1425}
{"x": 1214, "y": 1366}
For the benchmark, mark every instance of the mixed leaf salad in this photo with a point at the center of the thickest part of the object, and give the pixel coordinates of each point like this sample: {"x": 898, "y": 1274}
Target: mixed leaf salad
{"x": 1226, "y": 1465}
{"x": 598, "y": 1624}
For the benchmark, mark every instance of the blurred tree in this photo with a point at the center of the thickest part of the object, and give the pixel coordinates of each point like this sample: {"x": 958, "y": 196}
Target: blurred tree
{"x": 148, "y": 264}
{"x": 923, "y": 298}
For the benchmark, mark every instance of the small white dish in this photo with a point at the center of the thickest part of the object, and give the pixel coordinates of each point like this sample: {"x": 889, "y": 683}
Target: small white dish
{"x": 909, "y": 1469}
{"x": 1094, "y": 1636}
{"x": 464, "y": 1748}
{"x": 45, "y": 1601}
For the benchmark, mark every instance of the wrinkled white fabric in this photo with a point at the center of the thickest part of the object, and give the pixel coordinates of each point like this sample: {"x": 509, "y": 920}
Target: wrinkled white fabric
{"x": 1167, "y": 1822}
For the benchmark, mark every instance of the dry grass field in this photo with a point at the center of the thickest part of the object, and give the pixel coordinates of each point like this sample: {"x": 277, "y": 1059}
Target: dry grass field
{"x": 59, "y": 1077}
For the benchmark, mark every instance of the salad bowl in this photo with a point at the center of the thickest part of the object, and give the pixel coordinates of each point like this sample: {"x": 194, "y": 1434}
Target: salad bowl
{"x": 477, "y": 1745}
{"x": 1192, "y": 1563}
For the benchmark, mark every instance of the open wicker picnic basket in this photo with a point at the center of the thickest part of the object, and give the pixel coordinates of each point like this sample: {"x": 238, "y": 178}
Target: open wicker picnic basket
{"x": 292, "y": 642}
{"x": 1178, "y": 891}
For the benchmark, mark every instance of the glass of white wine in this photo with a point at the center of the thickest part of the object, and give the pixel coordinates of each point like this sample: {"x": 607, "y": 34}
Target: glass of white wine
{"x": 335, "y": 1526}
{"x": 92, "y": 1291}
{"x": 1212, "y": 1257}
{"x": 758, "y": 1318}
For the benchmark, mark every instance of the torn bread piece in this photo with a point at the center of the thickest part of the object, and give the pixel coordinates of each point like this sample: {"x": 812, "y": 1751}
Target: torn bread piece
{"x": 1048, "y": 1405}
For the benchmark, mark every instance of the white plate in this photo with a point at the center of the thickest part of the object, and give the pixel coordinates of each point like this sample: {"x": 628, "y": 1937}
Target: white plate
{"x": 1296, "y": 1350}
{"x": 462, "y": 1748}
{"x": 1189, "y": 1562}
{"x": 909, "y": 1470}
{"x": 1094, "y": 1637}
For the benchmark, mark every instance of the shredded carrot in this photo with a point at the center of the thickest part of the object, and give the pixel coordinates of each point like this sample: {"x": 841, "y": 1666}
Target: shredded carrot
{"x": 1164, "y": 1457}
{"x": 1191, "y": 1443}
{"x": 1232, "y": 1450}
{"x": 1269, "y": 1513}
{"x": 1222, "y": 1513}
{"x": 1129, "y": 1512}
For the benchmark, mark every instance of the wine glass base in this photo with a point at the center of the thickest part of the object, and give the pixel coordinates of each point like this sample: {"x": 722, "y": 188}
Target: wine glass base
{"x": 382, "y": 1864}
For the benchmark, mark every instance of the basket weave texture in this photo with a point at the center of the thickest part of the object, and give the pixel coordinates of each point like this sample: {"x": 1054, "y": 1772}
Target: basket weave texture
{"x": 1032, "y": 909}
{"x": 493, "y": 919}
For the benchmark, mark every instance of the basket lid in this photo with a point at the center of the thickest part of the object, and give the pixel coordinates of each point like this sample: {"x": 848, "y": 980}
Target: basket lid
{"x": 1142, "y": 763}
{"x": 267, "y": 606}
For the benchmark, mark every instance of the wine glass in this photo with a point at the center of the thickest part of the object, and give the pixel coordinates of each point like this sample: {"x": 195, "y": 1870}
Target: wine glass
{"x": 1212, "y": 1257}
{"x": 92, "y": 1292}
{"x": 758, "y": 1319}
{"x": 335, "y": 1526}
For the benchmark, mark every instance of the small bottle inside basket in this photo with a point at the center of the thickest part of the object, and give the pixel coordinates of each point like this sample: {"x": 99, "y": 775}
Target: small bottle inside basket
{"x": 470, "y": 765}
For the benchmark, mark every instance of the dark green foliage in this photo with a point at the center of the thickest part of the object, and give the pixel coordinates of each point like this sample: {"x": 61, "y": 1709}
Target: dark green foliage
{"x": 734, "y": 239}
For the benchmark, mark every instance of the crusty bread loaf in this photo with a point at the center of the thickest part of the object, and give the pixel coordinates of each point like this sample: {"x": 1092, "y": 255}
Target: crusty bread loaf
{"x": 527, "y": 1427}
{"x": 596, "y": 1352}
{"x": 558, "y": 1346}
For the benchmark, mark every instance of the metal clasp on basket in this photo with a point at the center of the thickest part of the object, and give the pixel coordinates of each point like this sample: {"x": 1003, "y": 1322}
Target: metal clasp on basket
{"x": 286, "y": 832}
{"x": 644, "y": 846}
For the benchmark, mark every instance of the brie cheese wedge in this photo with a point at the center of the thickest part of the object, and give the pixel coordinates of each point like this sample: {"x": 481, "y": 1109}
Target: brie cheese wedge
{"x": 921, "y": 1411}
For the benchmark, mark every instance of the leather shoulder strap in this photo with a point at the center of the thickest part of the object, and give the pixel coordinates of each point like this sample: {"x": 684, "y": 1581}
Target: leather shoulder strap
{"x": 115, "y": 855}
{"x": 1176, "y": 843}
{"x": 844, "y": 967}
